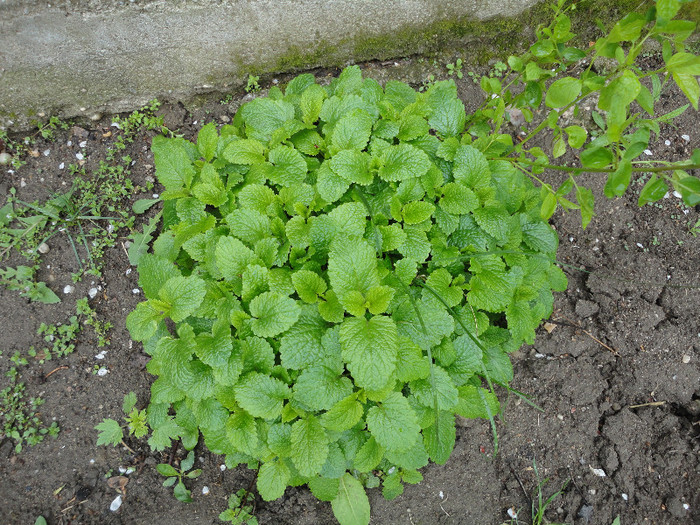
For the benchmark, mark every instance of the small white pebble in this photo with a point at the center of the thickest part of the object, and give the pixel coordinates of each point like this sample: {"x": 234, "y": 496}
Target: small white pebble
{"x": 92, "y": 293}
{"x": 115, "y": 125}
{"x": 686, "y": 359}
{"x": 69, "y": 288}
{"x": 128, "y": 271}
{"x": 155, "y": 195}
{"x": 61, "y": 165}
{"x": 539, "y": 356}
{"x": 441, "y": 494}
{"x": 640, "y": 245}
{"x": 102, "y": 371}
{"x": 686, "y": 506}
{"x": 677, "y": 195}
{"x": 205, "y": 490}
{"x": 22, "y": 183}
{"x": 667, "y": 195}
{"x": 47, "y": 152}
{"x": 114, "y": 507}
{"x": 101, "y": 355}
{"x": 69, "y": 143}
{"x": 512, "y": 514}
{"x": 391, "y": 470}
{"x": 648, "y": 152}
{"x": 592, "y": 492}
{"x": 686, "y": 138}
{"x": 222, "y": 467}
{"x": 625, "y": 496}
{"x": 92, "y": 462}
{"x": 43, "y": 248}
{"x": 598, "y": 472}
{"x": 136, "y": 291}
{"x": 667, "y": 142}
{"x": 79, "y": 156}
{"x": 571, "y": 239}
{"x": 560, "y": 417}
{"x": 122, "y": 470}
{"x": 83, "y": 144}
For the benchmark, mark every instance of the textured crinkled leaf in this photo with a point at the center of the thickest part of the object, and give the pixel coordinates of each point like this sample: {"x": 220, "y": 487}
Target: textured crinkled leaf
{"x": 403, "y": 161}
{"x": 329, "y": 185}
{"x": 301, "y": 346}
{"x": 244, "y": 151}
{"x": 163, "y": 434}
{"x": 352, "y": 131}
{"x": 540, "y": 237}
{"x": 319, "y": 388}
{"x": 261, "y": 395}
{"x": 309, "y": 446}
{"x": 448, "y": 118}
{"x": 257, "y": 197}
{"x": 438, "y": 323}
{"x": 352, "y": 166}
{"x": 440, "y": 437}
{"x": 437, "y": 386}
{"x": 441, "y": 281}
{"x": 210, "y": 413}
{"x": 154, "y": 271}
{"x": 142, "y": 322}
{"x": 214, "y": 348}
{"x": 290, "y": 166}
{"x": 255, "y": 281}
{"x": 473, "y": 401}
{"x": 232, "y": 257}
{"x": 325, "y": 489}
{"x": 174, "y": 168}
{"x": 412, "y": 458}
{"x": 207, "y": 140}
{"x": 369, "y": 347}
{"x": 417, "y": 212}
{"x": 416, "y": 247}
{"x": 471, "y": 167}
{"x": 183, "y": 294}
{"x": 352, "y": 267}
{"x": 263, "y": 116}
{"x": 273, "y": 478}
{"x": 498, "y": 365}
{"x": 393, "y": 423}
{"x": 411, "y": 363}
{"x": 491, "y": 287}
{"x": 242, "y": 432}
{"x": 311, "y": 102}
{"x": 343, "y": 415}
{"x": 249, "y": 225}
{"x": 110, "y": 433}
{"x": 458, "y": 199}
{"x": 273, "y": 314}
{"x": 309, "y": 285}
{"x": 494, "y": 220}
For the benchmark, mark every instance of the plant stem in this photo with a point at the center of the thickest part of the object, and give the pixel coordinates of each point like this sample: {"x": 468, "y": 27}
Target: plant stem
{"x": 655, "y": 169}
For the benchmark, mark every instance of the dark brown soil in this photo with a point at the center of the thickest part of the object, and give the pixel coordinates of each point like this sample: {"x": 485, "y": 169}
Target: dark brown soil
{"x": 616, "y": 375}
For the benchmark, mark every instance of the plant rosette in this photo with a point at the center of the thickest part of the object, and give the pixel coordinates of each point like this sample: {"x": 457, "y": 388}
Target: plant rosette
{"x": 338, "y": 273}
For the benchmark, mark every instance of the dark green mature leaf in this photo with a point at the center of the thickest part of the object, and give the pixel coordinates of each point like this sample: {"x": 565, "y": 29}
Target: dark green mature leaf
{"x": 369, "y": 348}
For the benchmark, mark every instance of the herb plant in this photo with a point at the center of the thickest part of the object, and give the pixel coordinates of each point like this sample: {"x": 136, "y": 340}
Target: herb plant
{"x": 176, "y": 475}
{"x": 344, "y": 269}
{"x": 112, "y": 433}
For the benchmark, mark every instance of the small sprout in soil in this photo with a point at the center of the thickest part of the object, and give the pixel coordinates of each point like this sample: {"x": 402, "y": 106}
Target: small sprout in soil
{"x": 240, "y": 509}
{"x": 112, "y": 433}
{"x": 175, "y": 477}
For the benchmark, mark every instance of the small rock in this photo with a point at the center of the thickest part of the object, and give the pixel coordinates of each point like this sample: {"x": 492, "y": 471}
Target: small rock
{"x": 686, "y": 138}
{"x": 205, "y": 490}
{"x": 686, "y": 359}
{"x": 95, "y": 117}
{"x": 61, "y": 165}
{"x": 667, "y": 142}
{"x": 222, "y": 467}
{"x": 677, "y": 195}
{"x": 68, "y": 289}
{"x": 225, "y": 119}
{"x": 598, "y": 472}
{"x": 625, "y": 497}
{"x": 586, "y": 512}
{"x": 83, "y": 144}
{"x": 79, "y": 156}
{"x": 102, "y": 372}
{"x": 5, "y": 158}
{"x": 79, "y": 132}
{"x": 648, "y": 152}
{"x": 92, "y": 293}
{"x": 136, "y": 291}
{"x": 47, "y": 152}
{"x": 43, "y": 248}
{"x": 586, "y": 308}
{"x": 114, "y": 507}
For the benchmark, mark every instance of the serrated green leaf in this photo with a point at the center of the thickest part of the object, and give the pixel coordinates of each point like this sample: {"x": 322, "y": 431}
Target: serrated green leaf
{"x": 289, "y": 166}
{"x": 438, "y": 386}
{"x": 352, "y": 131}
{"x": 417, "y": 212}
{"x": 403, "y": 161}
{"x": 393, "y": 423}
{"x": 438, "y": 323}
{"x": 273, "y": 314}
{"x": 163, "y": 434}
{"x": 352, "y": 267}
{"x": 584, "y": 197}
{"x": 471, "y": 168}
{"x": 369, "y": 348}
{"x": 142, "y": 322}
{"x": 473, "y": 401}
{"x": 273, "y": 478}
{"x": 311, "y": 102}
{"x": 448, "y": 118}
{"x": 440, "y": 437}
{"x": 308, "y": 285}
{"x": 325, "y": 489}
{"x": 110, "y": 433}
{"x": 352, "y": 166}
{"x": 207, "y": 141}
{"x": 320, "y": 388}
{"x": 343, "y": 415}
{"x": 491, "y": 287}
{"x": 458, "y": 199}
{"x": 183, "y": 295}
{"x": 174, "y": 168}
{"x": 369, "y": 455}
{"x": 309, "y": 446}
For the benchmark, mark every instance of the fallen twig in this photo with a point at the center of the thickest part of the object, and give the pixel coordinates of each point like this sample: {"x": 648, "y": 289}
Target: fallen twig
{"x": 64, "y": 367}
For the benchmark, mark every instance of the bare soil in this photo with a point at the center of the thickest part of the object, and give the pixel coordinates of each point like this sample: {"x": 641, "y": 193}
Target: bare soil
{"x": 616, "y": 375}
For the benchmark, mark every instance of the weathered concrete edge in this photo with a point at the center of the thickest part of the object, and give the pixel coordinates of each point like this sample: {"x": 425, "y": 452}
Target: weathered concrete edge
{"x": 56, "y": 61}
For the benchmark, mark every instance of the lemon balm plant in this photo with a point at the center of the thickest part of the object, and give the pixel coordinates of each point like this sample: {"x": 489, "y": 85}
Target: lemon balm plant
{"x": 345, "y": 268}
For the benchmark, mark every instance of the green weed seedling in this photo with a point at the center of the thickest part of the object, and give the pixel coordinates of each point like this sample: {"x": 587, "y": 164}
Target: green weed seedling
{"x": 175, "y": 477}
{"x": 539, "y": 503}
{"x": 455, "y": 68}
{"x": 21, "y": 278}
{"x": 101, "y": 328}
{"x": 135, "y": 422}
{"x": 240, "y": 509}
{"x": 344, "y": 269}
{"x": 694, "y": 229}
{"x": 252, "y": 86}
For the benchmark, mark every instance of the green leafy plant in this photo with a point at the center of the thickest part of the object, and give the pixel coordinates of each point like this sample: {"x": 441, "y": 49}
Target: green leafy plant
{"x": 455, "y": 68}
{"x": 240, "y": 509}
{"x": 21, "y": 278}
{"x": 111, "y": 432}
{"x": 539, "y": 502}
{"x": 252, "y": 86}
{"x": 175, "y": 477}
{"x": 344, "y": 269}
{"x": 101, "y": 328}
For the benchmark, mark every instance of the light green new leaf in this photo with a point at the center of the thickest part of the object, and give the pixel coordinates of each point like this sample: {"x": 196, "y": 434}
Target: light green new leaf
{"x": 351, "y": 506}
{"x": 183, "y": 295}
{"x": 438, "y": 386}
{"x": 343, "y": 415}
{"x": 352, "y": 267}
{"x": 174, "y": 167}
{"x": 309, "y": 446}
{"x": 207, "y": 140}
{"x": 458, "y": 199}
{"x": 261, "y": 395}
{"x": 244, "y": 151}
{"x": 232, "y": 257}
{"x": 393, "y": 423}
{"x": 319, "y": 388}
{"x": 154, "y": 271}
{"x": 576, "y": 136}
{"x": 440, "y": 437}
{"x": 250, "y": 226}
{"x": 309, "y": 285}
{"x": 584, "y": 197}
{"x": 369, "y": 348}
{"x": 110, "y": 433}
{"x": 448, "y": 118}
{"x": 352, "y": 131}
{"x": 290, "y": 166}
{"x": 417, "y": 211}
{"x": 142, "y": 322}
{"x": 273, "y": 314}
{"x": 352, "y": 166}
